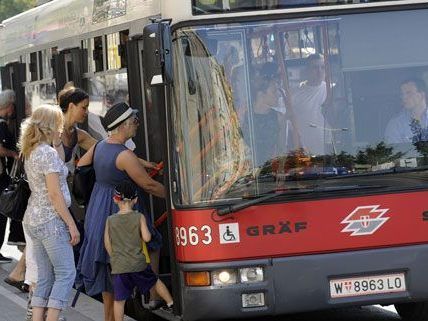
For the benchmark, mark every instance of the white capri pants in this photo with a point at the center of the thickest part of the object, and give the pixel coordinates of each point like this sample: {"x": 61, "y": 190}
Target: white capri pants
{"x": 30, "y": 262}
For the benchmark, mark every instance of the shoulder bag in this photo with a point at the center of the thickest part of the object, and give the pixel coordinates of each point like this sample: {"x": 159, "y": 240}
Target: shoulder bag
{"x": 84, "y": 181}
{"x": 14, "y": 198}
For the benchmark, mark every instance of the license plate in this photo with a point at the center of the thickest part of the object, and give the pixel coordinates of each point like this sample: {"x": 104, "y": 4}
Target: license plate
{"x": 367, "y": 285}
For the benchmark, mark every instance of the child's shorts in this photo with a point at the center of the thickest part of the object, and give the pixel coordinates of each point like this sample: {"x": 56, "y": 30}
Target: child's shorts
{"x": 123, "y": 284}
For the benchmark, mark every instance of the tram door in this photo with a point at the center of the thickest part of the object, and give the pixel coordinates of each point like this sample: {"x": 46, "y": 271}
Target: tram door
{"x": 68, "y": 67}
{"x": 13, "y": 77}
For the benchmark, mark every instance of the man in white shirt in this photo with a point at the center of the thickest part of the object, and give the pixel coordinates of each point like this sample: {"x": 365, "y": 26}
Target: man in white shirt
{"x": 307, "y": 101}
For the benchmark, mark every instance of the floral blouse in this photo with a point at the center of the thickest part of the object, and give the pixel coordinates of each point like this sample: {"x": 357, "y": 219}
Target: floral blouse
{"x": 43, "y": 160}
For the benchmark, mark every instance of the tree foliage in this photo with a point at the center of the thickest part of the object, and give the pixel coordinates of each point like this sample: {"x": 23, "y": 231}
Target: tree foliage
{"x": 378, "y": 155}
{"x": 9, "y": 8}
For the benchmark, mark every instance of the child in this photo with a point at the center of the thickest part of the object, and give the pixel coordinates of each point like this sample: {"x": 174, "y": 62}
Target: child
{"x": 125, "y": 238}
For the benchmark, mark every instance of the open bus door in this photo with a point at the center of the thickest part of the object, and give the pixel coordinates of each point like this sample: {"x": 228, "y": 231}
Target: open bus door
{"x": 68, "y": 67}
{"x": 151, "y": 145}
{"x": 12, "y": 77}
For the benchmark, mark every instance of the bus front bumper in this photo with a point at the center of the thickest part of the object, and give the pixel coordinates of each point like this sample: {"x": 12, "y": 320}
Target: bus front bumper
{"x": 302, "y": 283}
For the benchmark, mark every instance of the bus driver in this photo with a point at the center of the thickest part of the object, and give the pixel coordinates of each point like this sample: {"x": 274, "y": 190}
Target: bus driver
{"x": 411, "y": 124}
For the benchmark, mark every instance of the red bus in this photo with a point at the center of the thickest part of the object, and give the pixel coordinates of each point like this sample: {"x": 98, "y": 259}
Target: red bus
{"x": 297, "y": 162}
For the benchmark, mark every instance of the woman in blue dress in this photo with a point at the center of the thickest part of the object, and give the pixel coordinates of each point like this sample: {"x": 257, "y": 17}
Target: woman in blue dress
{"x": 113, "y": 163}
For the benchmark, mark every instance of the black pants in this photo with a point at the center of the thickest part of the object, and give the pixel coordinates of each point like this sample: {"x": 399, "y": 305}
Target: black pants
{"x": 4, "y": 181}
{"x": 16, "y": 232}
{"x": 3, "y": 221}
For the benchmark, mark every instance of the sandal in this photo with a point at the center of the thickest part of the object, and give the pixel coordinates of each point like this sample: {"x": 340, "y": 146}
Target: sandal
{"x": 17, "y": 284}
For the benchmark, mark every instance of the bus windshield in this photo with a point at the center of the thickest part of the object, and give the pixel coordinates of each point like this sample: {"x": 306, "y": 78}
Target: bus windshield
{"x": 292, "y": 104}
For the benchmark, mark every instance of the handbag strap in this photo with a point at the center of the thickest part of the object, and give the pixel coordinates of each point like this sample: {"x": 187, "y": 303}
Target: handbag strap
{"x": 18, "y": 167}
{"x": 93, "y": 152}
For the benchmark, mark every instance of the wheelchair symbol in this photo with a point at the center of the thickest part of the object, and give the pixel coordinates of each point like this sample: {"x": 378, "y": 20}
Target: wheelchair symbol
{"x": 228, "y": 236}
{"x": 229, "y": 233}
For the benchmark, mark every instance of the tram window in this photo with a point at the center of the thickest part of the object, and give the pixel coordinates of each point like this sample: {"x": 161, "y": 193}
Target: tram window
{"x": 33, "y": 66}
{"x": 97, "y": 44}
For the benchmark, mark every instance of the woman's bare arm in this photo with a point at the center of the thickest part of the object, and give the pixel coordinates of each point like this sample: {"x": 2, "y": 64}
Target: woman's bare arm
{"x": 107, "y": 242}
{"x": 87, "y": 158}
{"x": 58, "y": 202}
{"x": 127, "y": 161}
{"x": 85, "y": 140}
{"x": 145, "y": 233}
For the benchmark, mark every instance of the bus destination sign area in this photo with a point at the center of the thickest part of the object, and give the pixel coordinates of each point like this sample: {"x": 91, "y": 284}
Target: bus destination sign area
{"x": 221, "y": 6}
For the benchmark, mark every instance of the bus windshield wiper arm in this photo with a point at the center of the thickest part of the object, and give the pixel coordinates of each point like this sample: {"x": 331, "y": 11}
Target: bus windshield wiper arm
{"x": 274, "y": 193}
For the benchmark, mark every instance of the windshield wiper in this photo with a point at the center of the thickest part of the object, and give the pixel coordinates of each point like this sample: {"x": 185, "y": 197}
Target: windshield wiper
{"x": 275, "y": 193}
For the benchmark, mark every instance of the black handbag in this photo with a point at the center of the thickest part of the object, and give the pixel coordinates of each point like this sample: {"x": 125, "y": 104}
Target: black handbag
{"x": 83, "y": 182}
{"x": 14, "y": 198}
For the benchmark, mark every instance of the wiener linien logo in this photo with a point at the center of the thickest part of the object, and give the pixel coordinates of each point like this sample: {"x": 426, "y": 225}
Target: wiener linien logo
{"x": 365, "y": 220}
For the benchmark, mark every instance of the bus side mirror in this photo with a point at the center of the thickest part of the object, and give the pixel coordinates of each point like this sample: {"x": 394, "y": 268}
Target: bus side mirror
{"x": 157, "y": 55}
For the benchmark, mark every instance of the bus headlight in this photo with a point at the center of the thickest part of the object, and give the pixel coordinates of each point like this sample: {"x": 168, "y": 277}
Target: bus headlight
{"x": 224, "y": 277}
{"x": 251, "y": 275}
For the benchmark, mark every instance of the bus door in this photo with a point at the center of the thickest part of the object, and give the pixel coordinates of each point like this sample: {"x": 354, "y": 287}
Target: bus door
{"x": 68, "y": 67}
{"x": 150, "y": 139}
{"x": 13, "y": 77}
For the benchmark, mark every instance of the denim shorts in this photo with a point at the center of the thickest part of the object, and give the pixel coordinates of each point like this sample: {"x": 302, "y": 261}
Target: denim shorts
{"x": 52, "y": 251}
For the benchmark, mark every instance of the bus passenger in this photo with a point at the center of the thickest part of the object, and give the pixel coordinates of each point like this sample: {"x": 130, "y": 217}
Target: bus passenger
{"x": 239, "y": 91}
{"x": 74, "y": 103}
{"x": 47, "y": 220}
{"x": 113, "y": 163}
{"x": 125, "y": 237}
{"x": 18, "y": 276}
{"x": 269, "y": 118}
{"x": 411, "y": 124}
{"x": 307, "y": 101}
{"x": 7, "y": 153}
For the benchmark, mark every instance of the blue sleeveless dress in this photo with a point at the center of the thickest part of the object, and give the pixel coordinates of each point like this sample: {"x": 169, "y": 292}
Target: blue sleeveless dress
{"x": 93, "y": 271}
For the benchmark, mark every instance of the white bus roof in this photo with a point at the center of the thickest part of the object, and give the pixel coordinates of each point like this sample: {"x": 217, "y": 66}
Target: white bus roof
{"x": 69, "y": 19}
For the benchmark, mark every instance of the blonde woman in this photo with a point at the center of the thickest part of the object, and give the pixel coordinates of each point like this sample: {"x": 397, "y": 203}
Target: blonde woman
{"x": 47, "y": 220}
